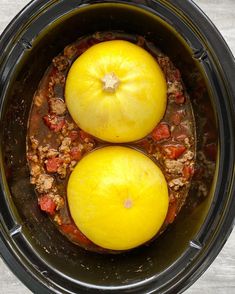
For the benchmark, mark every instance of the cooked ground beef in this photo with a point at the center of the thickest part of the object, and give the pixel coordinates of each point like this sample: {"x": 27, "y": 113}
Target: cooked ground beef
{"x": 57, "y": 106}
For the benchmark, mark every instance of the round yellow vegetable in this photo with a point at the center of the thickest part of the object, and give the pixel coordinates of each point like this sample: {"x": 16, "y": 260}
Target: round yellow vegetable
{"x": 117, "y": 197}
{"x": 116, "y": 91}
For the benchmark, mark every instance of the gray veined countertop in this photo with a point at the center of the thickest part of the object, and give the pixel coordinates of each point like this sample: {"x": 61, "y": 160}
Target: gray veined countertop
{"x": 220, "y": 277}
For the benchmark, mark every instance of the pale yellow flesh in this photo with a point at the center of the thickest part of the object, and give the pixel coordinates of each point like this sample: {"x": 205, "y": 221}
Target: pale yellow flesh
{"x": 133, "y": 109}
{"x": 118, "y": 197}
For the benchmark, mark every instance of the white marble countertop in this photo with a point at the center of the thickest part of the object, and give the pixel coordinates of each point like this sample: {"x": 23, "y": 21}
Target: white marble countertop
{"x": 220, "y": 277}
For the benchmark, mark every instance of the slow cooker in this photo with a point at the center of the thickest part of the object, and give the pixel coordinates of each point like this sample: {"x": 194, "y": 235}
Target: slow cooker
{"x": 29, "y": 243}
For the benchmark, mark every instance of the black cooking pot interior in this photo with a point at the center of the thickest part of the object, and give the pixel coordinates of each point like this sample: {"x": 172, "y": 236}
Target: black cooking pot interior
{"x": 44, "y": 259}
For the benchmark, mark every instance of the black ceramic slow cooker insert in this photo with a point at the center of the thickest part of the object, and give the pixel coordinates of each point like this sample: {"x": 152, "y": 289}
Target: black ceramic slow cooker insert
{"x": 29, "y": 243}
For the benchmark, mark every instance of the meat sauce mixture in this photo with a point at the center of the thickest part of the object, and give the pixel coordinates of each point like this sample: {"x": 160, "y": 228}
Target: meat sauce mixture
{"x": 55, "y": 143}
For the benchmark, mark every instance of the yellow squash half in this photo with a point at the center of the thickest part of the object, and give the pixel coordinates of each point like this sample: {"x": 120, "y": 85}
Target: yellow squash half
{"x": 116, "y": 91}
{"x": 117, "y": 197}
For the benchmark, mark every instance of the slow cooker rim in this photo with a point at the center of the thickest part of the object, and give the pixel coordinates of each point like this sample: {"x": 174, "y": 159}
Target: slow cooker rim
{"x": 7, "y": 34}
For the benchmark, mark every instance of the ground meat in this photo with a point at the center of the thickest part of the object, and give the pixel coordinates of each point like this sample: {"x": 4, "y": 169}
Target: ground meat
{"x": 173, "y": 166}
{"x": 70, "y": 51}
{"x": 188, "y": 155}
{"x": 70, "y": 126}
{"x": 38, "y": 99}
{"x": 52, "y": 153}
{"x": 174, "y": 87}
{"x": 34, "y": 143}
{"x": 60, "y": 62}
{"x": 35, "y": 170}
{"x": 58, "y": 219}
{"x": 62, "y": 170}
{"x": 42, "y": 151}
{"x": 44, "y": 183}
{"x": 66, "y": 157}
{"x": 57, "y": 106}
{"x": 187, "y": 142}
{"x": 32, "y": 157}
{"x": 89, "y": 146}
{"x": 64, "y": 147}
{"x": 59, "y": 201}
{"x": 202, "y": 189}
{"x": 176, "y": 184}
{"x": 72, "y": 164}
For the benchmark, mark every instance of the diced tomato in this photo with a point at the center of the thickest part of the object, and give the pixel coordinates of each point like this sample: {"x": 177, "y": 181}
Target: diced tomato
{"x": 161, "y": 132}
{"x": 52, "y": 164}
{"x": 188, "y": 171}
{"x": 73, "y": 135}
{"x": 173, "y": 151}
{"x": 171, "y": 214}
{"x": 75, "y": 153}
{"x": 210, "y": 151}
{"x": 75, "y": 233}
{"x": 54, "y": 123}
{"x": 47, "y": 204}
{"x": 179, "y": 98}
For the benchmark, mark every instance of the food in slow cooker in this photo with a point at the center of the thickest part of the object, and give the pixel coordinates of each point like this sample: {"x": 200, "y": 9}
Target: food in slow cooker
{"x": 56, "y": 144}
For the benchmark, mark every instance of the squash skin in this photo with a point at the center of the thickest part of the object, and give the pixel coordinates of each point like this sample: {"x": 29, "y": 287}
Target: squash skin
{"x": 133, "y": 109}
{"x": 118, "y": 197}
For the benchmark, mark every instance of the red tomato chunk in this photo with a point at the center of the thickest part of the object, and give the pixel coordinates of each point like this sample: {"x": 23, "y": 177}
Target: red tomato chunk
{"x": 188, "y": 171}
{"x": 75, "y": 153}
{"x": 54, "y": 122}
{"x": 161, "y": 132}
{"x": 52, "y": 164}
{"x": 73, "y": 231}
{"x": 179, "y": 98}
{"x": 171, "y": 214}
{"x": 173, "y": 151}
{"x": 47, "y": 204}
